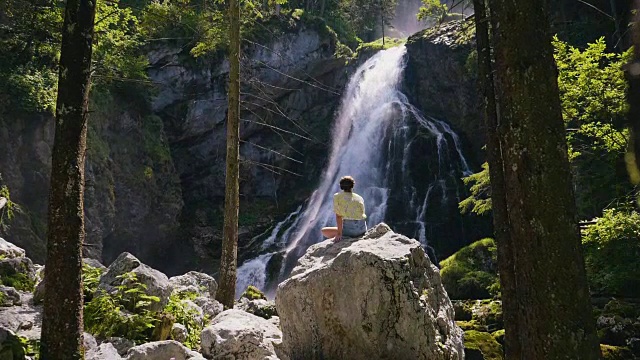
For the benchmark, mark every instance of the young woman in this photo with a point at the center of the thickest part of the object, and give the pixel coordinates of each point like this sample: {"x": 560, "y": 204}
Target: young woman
{"x": 350, "y": 214}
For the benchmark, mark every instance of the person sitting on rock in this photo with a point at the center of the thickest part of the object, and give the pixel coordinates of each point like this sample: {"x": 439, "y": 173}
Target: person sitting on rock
{"x": 350, "y": 214}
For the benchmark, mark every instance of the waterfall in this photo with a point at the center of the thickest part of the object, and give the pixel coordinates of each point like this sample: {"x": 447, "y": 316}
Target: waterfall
{"x": 404, "y": 163}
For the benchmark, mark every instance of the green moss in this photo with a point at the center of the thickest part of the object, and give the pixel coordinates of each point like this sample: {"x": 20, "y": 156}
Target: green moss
{"x": 615, "y": 352}
{"x": 471, "y": 273}
{"x": 377, "y": 44}
{"x": 499, "y": 336}
{"x": 253, "y": 293}
{"x": 471, "y": 325}
{"x": 483, "y": 342}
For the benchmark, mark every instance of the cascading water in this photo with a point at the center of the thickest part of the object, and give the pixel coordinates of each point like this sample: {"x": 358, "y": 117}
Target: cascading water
{"x": 376, "y": 134}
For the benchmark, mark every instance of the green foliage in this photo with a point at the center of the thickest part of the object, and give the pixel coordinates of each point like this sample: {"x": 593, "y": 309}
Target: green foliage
{"x": 615, "y": 352}
{"x": 433, "y": 10}
{"x": 471, "y": 273}
{"x": 479, "y": 202}
{"x": 253, "y": 293}
{"x": 377, "y": 44}
{"x": 186, "y": 316}
{"x": 123, "y": 313}
{"x": 19, "y": 281}
{"x": 8, "y": 211}
{"x": 90, "y": 281}
{"x": 612, "y": 253}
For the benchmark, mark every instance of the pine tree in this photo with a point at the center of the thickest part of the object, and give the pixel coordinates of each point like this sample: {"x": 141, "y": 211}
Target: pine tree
{"x": 228, "y": 261}
{"x": 62, "y": 329}
{"x": 547, "y": 305}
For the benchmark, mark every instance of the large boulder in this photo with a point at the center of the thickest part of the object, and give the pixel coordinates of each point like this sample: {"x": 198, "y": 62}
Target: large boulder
{"x": 10, "y": 251}
{"x": 196, "y": 282}
{"x": 156, "y": 282}
{"x": 235, "y": 334}
{"x": 158, "y": 350}
{"x": 374, "y": 297}
{"x": 105, "y": 351}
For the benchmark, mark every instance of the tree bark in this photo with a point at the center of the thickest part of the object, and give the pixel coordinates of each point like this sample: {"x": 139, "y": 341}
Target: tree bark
{"x": 633, "y": 97}
{"x": 62, "y": 328}
{"x": 496, "y": 173}
{"x": 228, "y": 261}
{"x": 553, "y": 318}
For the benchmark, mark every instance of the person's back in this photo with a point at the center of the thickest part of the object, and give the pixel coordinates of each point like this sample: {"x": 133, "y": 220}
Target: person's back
{"x": 350, "y": 212}
{"x": 349, "y": 205}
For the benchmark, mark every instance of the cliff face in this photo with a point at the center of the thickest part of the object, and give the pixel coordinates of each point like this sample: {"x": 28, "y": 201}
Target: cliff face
{"x": 155, "y": 165}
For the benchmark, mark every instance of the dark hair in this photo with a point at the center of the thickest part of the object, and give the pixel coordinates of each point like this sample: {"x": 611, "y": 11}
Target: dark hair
{"x": 347, "y": 183}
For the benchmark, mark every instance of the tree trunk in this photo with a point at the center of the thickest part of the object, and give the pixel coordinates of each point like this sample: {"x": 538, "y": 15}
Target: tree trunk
{"x": 496, "y": 173}
{"x": 550, "y": 296}
{"x": 633, "y": 97}
{"x": 62, "y": 328}
{"x": 228, "y": 262}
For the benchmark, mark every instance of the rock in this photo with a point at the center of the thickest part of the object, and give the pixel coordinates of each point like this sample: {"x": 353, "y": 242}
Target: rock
{"x": 9, "y": 296}
{"x": 472, "y": 272}
{"x": 197, "y": 282}
{"x": 10, "y": 345}
{"x": 481, "y": 346}
{"x": 89, "y": 342}
{"x": 179, "y": 333}
{"x": 210, "y": 308}
{"x": 93, "y": 263}
{"x": 372, "y": 297}
{"x": 634, "y": 346}
{"x": 161, "y": 350}
{"x": 462, "y": 310}
{"x": 121, "y": 345}
{"x": 106, "y": 351}
{"x": 253, "y": 293}
{"x": 235, "y": 334}
{"x": 616, "y": 330}
{"x": 38, "y": 293}
{"x": 615, "y": 353}
{"x": 156, "y": 282}
{"x": 18, "y": 272}
{"x": 25, "y": 320}
{"x": 10, "y": 251}
{"x": 488, "y": 313}
{"x": 263, "y": 308}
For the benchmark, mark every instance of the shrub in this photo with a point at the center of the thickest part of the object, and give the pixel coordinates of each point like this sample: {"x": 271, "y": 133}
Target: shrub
{"x": 612, "y": 253}
{"x": 187, "y": 316}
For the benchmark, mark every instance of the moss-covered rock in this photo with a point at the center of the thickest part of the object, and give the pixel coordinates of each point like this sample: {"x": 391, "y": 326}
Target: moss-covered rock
{"x": 489, "y": 314}
{"x": 471, "y": 273}
{"x": 615, "y": 352}
{"x": 463, "y": 310}
{"x": 499, "y": 336}
{"x": 471, "y": 325}
{"x": 253, "y": 293}
{"x": 481, "y": 346}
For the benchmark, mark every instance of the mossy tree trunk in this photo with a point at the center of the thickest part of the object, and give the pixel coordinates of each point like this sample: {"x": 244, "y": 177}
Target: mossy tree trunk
{"x": 548, "y": 312}
{"x": 496, "y": 173}
{"x": 62, "y": 328}
{"x": 228, "y": 261}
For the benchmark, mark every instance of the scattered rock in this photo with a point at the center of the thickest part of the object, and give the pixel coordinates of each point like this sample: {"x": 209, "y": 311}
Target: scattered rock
{"x": 10, "y": 345}
{"x": 179, "y": 333}
{"x": 25, "y": 320}
{"x": 89, "y": 342}
{"x": 9, "y": 296}
{"x": 161, "y": 350}
{"x": 10, "y": 251}
{"x": 210, "y": 308}
{"x": 106, "y": 351}
{"x": 121, "y": 345}
{"x": 391, "y": 305}
{"x": 253, "y": 293}
{"x": 18, "y": 272}
{"x": 263, "y": 308}
{"x": 197, "y": 282}
{"x": 38, "y": 293}
{"x": 235, "y": 334}
{"x": 156, "y": 282}
{"x": 481, "y": 346}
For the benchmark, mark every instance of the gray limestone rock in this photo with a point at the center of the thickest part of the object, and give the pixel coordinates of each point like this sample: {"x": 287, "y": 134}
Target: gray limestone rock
{"x": 375, "y": 297}
{"x": 106, "y": 351}
{"x": 197, "y": 282}
{"x": 235, "y": 334}
{"x": 10, "y": 251}
{"x": 9, "y": 297}
{"x": 179, "y": 333}
{"x": 158, "y": 350}
{"x": 210, "y": 307}
{"x": 156, "y": 282}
